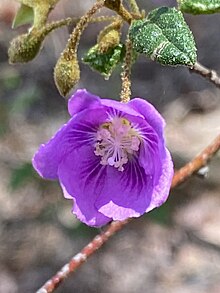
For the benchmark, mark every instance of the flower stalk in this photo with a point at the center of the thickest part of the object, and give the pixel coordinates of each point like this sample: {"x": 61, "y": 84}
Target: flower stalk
{"x": 134, "y": 7}
{"x": 126, "y": 74}
{"x": 41, "y": 9}
{"x": 67, "y": 72}
{"x": 117, "y": 6}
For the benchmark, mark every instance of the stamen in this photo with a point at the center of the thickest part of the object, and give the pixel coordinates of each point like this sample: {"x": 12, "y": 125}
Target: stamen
{"x": 116, "y": 142}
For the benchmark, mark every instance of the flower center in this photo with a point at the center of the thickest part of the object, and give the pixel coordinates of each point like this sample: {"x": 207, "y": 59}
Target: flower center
{"x": 116, "y": 142}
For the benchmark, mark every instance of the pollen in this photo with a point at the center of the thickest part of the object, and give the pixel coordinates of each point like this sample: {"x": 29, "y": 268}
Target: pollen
{"x": 116, "y": 142}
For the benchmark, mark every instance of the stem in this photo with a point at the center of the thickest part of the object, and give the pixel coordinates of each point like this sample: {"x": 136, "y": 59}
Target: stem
{"x": 197, "y": 163}
{"x": 210, "y": 74}
{"x": 179, "y": 176}
{"x": 125, "y": 14}
{"x": 73, "y": 42}
{"x": 134, "y": 7}
{"x": 126, "y": 74}
{"x": 70, "y": 21}
{"x": 81, "y": 257}
{"x": 117, "y": 6}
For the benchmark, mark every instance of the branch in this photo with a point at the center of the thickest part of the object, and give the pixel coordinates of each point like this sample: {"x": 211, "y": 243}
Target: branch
{"x": 209, "y": 74}
{"x": 197, "y": 163}
{"x": 82, "y": 256}
{"x": 134, "y": 7}
{"x": 179, "y": 176}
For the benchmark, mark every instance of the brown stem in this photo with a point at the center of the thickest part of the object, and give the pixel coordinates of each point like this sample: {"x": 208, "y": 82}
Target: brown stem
{"x": 125, "y": 14}
{"x": 134, "y": 7}
{"x": 117, "y": 6}
{"x": 197, "y": 163}
{"x": 81, "y": 257}
{"x": 210, "y": 74}
{"x": 69, "y": 21}
{"x": 179, "y": 176}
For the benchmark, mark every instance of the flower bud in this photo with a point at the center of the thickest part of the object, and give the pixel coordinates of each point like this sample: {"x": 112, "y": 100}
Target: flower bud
{"x": 109, "y": 40}
{"x": 66, "y": 73}
{"x": 113, "y": 4}
{"x": 25, "y": 47}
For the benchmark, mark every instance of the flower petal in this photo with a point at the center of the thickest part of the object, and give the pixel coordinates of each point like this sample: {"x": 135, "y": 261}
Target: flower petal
{"x": 78, "y": 131}
{"x": 117, "y": 108}
{"x": 125, "y": 194}
{"x": 151, "y": 154}
{"x": 151, "y": 115}
{"x": 161, "y": 190}
{"x": 82, "y": 100}
{"x": 151, "y": 148}
{"x": 94, "y": 221}
{"x": 82, "y": 176}
{"x": 47, "y": 158}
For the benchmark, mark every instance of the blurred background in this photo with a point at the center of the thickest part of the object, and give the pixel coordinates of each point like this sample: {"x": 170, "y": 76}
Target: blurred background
{"x": 175, "y": 248}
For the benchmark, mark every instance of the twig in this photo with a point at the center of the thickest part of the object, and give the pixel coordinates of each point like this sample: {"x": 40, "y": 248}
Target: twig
{"x": 134, "y": 7}
{"x": 117, "y": 6}
{"x": 73, "y": 20}
{"x": 81, "y": 257}
{"x": 197, "y": 163}
{"x": 179, "y": 176}
{"x": 209, "y": 74}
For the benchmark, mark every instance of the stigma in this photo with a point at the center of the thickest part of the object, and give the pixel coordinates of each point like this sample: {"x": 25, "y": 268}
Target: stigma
{"x": 116, "y": 142}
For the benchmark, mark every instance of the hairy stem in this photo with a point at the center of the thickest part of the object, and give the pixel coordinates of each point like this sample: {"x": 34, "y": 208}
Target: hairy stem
{"x": 134, "y": 7}
{"x": 181, "y": 175}
{"x": 73, "y": 42}
{"x": 126, "y": 74}
{"x": 117, "y": 6}
{"x": 73, "y": 20}
{"x": 210, "y": 74}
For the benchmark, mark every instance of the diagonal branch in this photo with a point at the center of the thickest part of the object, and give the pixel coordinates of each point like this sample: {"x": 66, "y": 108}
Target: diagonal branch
{"x": 197, "y": 163}
{"x": 209, "y": 74}
{"x": 181, "y": 175}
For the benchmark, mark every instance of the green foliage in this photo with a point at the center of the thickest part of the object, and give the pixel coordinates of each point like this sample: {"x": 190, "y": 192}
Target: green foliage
{"x": 104, "y": 62}
{"x": 165, "y": 37}
{"x": 199, "y": 6}
{"x": 161, "y": 215}
{"x": 9, "y": 79}
{"x": 41, "y": 9}
{"x": 3, "y": 119}
{"x": 21, "y": 175}
{"x": 25, "y": 99}
{"x": 24, "y": 15}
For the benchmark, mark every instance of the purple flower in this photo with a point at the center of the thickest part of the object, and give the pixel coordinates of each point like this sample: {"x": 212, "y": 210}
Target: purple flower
{"x": 110, "y": 159}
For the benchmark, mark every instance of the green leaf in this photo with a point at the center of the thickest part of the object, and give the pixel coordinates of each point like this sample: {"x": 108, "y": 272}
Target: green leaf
{"x": 165, "y": 37}
{"x": 199, "y": 6}
{"x": 106, "y": 62}
{"x": 24, "y": 15}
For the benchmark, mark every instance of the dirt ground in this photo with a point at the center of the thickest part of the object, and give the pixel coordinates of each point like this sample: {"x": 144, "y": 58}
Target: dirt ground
{"x": 174, "y": 249}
